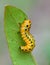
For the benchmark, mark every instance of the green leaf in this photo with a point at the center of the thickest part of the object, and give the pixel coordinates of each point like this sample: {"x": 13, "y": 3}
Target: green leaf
{"x": 13, "y": 17}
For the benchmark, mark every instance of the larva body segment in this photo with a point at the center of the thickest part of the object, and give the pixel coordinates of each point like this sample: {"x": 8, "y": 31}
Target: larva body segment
{"x": 27, "y": 37}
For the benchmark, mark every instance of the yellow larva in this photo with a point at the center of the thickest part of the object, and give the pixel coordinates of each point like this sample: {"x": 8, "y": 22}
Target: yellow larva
{"x": 27, "y": 37}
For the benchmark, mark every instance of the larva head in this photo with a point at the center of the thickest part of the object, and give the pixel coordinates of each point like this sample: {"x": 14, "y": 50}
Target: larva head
{"x": 27, "y": 23}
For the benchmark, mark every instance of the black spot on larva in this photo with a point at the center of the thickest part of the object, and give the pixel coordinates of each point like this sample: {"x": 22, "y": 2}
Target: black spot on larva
{"x": 27, "y": 36}
{"x": 26, "y": 25}
{"x": 25, "y": 33}
{"x": 31, "y": 41}
{"x": 29, "y": 48}
{"x": 25, "y": 29}
{"x": 25, "y": 49}
{"x": 31, "y": 45}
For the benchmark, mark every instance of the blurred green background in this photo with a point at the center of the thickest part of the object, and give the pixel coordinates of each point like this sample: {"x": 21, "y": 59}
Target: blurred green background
{"x": 39, "y": 13}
